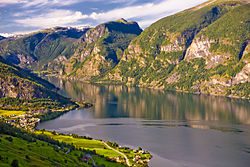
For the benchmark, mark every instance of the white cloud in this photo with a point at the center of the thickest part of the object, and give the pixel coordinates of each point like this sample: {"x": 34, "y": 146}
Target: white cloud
{"x": 8, "y": 2}
{"x": 6, "y": 35}
{"x": 24, "y": 13}
{"x": 53, "y": 18}
{"x": 146, "y": 13}
{"x": 39, "y": 3}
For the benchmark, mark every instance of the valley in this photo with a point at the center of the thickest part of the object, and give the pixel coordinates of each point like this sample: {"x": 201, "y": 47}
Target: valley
{"x": 70, "y": 94}
{"x": 202, "y": 50}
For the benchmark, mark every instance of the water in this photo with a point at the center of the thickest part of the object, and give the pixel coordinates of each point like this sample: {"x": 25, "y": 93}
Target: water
{"x": 181, "y": 130}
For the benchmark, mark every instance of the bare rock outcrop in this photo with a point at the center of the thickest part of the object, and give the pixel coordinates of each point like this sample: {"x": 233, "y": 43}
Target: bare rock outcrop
{"x": 243, "y": 76}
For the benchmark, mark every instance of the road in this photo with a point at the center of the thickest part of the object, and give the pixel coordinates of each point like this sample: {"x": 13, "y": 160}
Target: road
{"x": 122, "y": 154}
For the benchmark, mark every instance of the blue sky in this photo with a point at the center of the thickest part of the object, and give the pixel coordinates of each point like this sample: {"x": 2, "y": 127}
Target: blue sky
{"x": 21, "y": 16}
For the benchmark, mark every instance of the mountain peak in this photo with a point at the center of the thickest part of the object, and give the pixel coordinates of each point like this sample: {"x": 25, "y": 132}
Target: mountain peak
{"x": 124, "y": 26}
{"x": 122, "y": 20}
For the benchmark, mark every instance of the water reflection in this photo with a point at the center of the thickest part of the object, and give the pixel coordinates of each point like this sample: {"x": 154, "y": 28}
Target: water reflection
{"x": 121, "y": 101}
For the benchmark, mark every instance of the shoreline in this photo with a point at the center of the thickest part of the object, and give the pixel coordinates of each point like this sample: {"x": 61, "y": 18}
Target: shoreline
{"x": 59, "y": 113}
{"x": 29, "y": 121}
{"x": 145, "y": 87}
{"x": 113, "y": 146}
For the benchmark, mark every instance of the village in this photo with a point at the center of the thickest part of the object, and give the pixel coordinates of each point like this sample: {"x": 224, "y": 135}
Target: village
{"x": 27, "y": 121}
{"x": 130, "y": 157}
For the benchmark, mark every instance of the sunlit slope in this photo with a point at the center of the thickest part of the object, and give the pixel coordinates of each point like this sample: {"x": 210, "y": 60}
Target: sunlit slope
{"x": 203, "y": 50}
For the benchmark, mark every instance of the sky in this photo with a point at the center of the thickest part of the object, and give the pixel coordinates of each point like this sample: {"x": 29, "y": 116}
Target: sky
{"x": 23, "y": 16}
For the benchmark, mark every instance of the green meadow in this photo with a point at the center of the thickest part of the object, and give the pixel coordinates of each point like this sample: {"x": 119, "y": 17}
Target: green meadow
{"x": 87, "y": 144}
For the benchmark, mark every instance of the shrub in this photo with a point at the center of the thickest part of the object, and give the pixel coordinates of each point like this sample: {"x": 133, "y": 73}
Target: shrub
{"x": 14, "y": 163}
{"x": 10, "y": 139}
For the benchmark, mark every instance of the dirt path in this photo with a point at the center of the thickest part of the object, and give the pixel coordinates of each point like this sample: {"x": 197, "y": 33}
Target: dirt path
{"x": 122, "y": 154}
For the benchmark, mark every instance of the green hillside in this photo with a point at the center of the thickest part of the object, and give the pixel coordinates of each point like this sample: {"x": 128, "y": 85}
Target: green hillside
{"x": 22, "y": 90}
{"x": 202, "y": 50}
{"x": 69, "y": 51}
{"x": 26, "y": 149}
{"x": 37, "y": 49}
{"x": 102, "y": 48}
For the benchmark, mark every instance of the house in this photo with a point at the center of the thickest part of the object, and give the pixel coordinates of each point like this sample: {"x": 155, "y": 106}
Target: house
{"x": 86, "y": 158}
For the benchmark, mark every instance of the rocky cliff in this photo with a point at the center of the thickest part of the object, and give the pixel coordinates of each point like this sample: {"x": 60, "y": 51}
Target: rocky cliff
{"x": 34, "y": 51}
{"x": 205, "y": 49}
{"x": 101, "y": 49}
{"x": 70, "y": 52}
{"x": 18, "y": 83}
{"x": 202, "y": 50}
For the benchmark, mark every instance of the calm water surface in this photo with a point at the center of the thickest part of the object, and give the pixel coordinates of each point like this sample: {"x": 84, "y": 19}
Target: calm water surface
{"x": 180, "y": 130}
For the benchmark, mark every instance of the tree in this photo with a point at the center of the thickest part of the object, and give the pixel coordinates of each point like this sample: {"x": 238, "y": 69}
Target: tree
{"x": 10, "y": 139}
{"x": 27, "y": 157}
{"x": 14, "y": 163}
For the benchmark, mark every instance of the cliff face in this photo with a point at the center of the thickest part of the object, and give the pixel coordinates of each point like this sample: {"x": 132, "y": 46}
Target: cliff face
{"x": 69, "y": 52}
{"x": 203, "y": 50}
{"x": 17, "y": 83}
{"x": 34, "y": 51}
{"x": 102, "y": 48}
{"x": 15, "y": 87}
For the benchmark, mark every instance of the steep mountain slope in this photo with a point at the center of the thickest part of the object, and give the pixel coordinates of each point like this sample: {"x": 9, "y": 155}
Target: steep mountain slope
{"x": 71, "y": 52}
{"x": 102, "y": 48}
{"x": 21, "y": 90}
{"x": 35, "y": 50}
{"x": 203, "y": 50}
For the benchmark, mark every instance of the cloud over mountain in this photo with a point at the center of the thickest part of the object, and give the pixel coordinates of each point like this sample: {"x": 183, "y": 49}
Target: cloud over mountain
{"x": 28, "y": 15}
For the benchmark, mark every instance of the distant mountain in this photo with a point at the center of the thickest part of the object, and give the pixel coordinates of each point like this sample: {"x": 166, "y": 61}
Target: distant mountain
{"x": 205, "y": 49}
{"x": 1, "y": 37}
{"x": 101, "y": 49}
{"x": 17, "y": 83}
{"x": 71, "y": 51}
{"x": 36, "y": 50}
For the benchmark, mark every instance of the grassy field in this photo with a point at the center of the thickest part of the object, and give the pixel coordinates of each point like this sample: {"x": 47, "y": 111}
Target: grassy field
{"x": 108, "y": 150}
{"x": 26, "y": 149}
{"x": 99, "y": 160}
{"x": 10, "y": 112}
{"x": 34, "y": 153}
{"x": 87, "y": 144}
{"x": 40, "y": 153}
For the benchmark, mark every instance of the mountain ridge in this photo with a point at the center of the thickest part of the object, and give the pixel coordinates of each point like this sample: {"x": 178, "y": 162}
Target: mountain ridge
{"x": 62, "y": 50}
{"x": 24, "y": 91}
{"x": 202, "y": 50}
{"x": 190, "y": 52}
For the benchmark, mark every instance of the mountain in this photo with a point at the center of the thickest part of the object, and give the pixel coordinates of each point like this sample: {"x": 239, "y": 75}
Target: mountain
{"x": 205, "y": 49}
{"x": 22, "y": 90}
{"x": 34, "y": 51}
{"x": 70, "y": 51}
{"x": 101, "y": 49}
